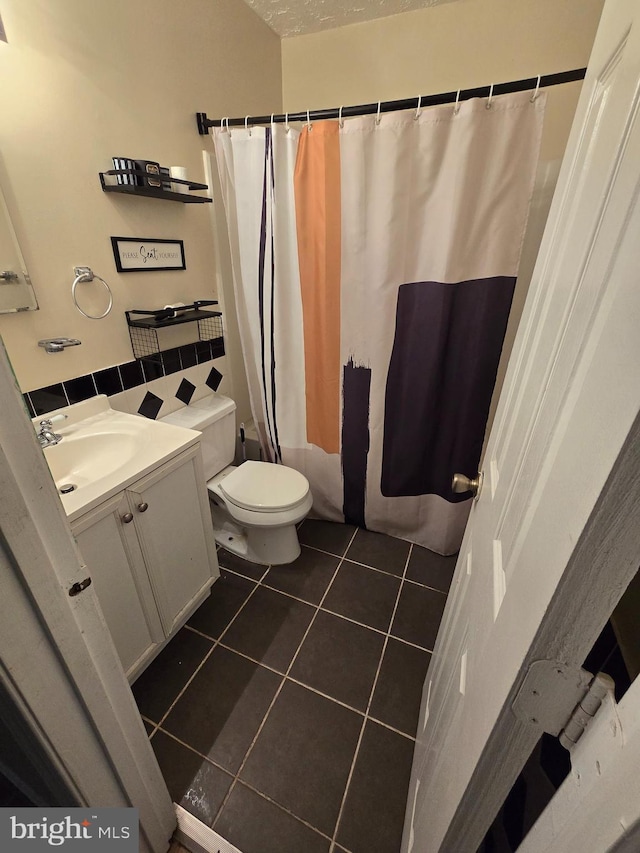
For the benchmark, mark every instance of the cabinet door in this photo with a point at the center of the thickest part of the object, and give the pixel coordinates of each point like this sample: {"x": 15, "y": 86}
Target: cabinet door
{"x": 171, "y": 512}
{"x": 109, "y": 546}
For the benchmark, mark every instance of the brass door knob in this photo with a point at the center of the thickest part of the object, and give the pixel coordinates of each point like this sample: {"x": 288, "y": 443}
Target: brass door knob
{"x": 461, "y": 484}
{"x": 143, "y": 507}
{"x": 127, "y": 518}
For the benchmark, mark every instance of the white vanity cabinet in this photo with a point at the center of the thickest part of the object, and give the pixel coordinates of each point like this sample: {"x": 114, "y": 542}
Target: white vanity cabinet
{"x": 151, "y": 555}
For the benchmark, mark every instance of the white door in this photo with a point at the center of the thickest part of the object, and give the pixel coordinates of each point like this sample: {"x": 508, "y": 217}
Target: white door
{"x": 600, "y": 796}
{"x": 552, "y": 541}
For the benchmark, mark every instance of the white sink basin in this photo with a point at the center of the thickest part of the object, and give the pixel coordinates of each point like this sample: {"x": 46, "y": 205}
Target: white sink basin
{"x": 83, "y": 458}
{"x": 102, "y": 451}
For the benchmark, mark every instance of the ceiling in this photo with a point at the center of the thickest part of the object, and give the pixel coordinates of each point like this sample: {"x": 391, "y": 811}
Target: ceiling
{"x": 295, "y": 17}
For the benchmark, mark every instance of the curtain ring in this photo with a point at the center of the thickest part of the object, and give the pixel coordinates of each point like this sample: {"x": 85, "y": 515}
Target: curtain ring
{"x": 490, "y": 98}
{"x": 309, "y": 125}
{"x": 226, "y": 118}
{"x": 271, "y": 122}
{"x": 456, "y": 106}
{"x": 535, "y": 91}
{"x": 378, "y": 114}
{"x": 246, "y": 125}
{"x": 286, "y": 122}
{"x": 418, "y": 109}
{"x": 340, "y": 119}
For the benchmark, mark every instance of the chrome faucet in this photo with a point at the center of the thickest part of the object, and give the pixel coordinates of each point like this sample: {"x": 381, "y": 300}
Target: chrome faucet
{"x": 47, "y": 436}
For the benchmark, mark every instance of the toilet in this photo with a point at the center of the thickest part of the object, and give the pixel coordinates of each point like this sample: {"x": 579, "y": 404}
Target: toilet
{"x": 255, "y": 506}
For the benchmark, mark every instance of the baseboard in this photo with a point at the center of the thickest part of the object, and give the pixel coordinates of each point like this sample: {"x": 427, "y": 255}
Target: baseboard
{"x": 197, "y": 837}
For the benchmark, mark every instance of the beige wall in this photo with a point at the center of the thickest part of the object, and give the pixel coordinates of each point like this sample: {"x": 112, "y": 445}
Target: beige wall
{"x": 453, "y": 46}
{"x": 81, "y": 81}
{"x": 441, "y": 48}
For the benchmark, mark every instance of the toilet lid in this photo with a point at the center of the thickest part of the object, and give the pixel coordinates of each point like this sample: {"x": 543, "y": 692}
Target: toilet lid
{"x": 264, "y": 486}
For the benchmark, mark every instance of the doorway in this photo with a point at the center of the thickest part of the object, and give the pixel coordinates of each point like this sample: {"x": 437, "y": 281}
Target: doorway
{"x": 616, "y": 652}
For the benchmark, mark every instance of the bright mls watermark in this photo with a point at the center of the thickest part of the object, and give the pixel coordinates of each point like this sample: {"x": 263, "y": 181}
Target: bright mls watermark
{"x": 36, "y": 829}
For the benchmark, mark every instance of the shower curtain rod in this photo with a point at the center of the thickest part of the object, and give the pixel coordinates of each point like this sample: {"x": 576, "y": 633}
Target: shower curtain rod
{"x": 546, "y": 80}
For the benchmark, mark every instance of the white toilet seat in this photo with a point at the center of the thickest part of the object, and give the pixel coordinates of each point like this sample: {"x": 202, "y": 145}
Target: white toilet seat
{"x": 294, "y": 505}
{"x": 265, "y": 487}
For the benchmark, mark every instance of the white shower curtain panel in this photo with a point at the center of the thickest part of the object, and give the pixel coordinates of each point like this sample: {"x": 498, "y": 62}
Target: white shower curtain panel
{"x": 374, "y": 265}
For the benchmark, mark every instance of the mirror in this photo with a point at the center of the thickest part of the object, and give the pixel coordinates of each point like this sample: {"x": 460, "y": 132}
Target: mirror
{"x": 16, "y": 292}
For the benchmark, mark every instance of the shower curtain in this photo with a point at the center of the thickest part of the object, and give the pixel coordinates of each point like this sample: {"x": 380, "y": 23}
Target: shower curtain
{"x": 374, "y": 264}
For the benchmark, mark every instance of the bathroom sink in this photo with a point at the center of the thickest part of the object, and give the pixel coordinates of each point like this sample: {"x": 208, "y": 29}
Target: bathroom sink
{"x": 102, "y": 451}
{"x": 82, "y": 458}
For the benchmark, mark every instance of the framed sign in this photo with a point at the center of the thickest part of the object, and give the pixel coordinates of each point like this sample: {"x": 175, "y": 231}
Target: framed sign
{"x": 138, "y": 254}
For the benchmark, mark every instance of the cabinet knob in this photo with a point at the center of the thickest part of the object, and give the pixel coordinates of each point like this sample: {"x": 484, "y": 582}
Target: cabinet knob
{"x": 127, "y": 518}
{"x": 143, "y": 507}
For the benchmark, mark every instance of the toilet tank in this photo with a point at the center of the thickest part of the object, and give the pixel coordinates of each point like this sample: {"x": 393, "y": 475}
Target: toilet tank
{"x": 215, "y": 417}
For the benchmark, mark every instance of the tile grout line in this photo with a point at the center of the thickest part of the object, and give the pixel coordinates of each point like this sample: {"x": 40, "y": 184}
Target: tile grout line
{"x": 242, "y": 782}
{"x": 366, "y": 715}
{"x": 262, "y": 581}
{"x": 193, "y": 675}
{"x": 425, "y": 586}
{"x": 311, "y": 689}
{"x": 284, "y": 809}
{"x": 353, "y": 563}
{"x": 281, "y": 675}
{"x": 333, "y": 612}
{"x": 281, "y": 685}
{"x": 151, "y": 723}
{"x": 376, "y": 568}
{"x": 209, "y": 653}
{"x": 247, "y": 577}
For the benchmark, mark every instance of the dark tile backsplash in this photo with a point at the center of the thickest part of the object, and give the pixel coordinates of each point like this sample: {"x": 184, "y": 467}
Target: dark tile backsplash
{"x": 217, "y": 347}
{"x": 185, "y": 391}
{"x": 203, "y": 351}
{"x": 80, "y": 389}
{"x": 188, "y": 356}
{"x": 214, "y": 379}
{"x": 29, "y": 405}
{"x": 47, "y": 399}
{"x": 152, "y": 367}
{"x": 171, "y": 360}
{"x": 122, "y": 377}
{"x": 108, "y": 381}
{"x": 131, "y": 374}
{"x": 150, "y": 406}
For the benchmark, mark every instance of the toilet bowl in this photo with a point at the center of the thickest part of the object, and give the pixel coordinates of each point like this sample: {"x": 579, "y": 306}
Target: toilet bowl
{"x": 254, "y": 507}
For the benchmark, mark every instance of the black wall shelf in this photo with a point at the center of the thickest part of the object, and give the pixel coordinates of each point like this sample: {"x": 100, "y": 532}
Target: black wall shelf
{"x": 155, "y": 323}
{"x": 153, "y": 192}
{"x": 144, "y": 326}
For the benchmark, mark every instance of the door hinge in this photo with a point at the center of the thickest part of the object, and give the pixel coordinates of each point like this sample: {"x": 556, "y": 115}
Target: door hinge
{"x": 586, "y": 709}
{"x": 560, "y": 699}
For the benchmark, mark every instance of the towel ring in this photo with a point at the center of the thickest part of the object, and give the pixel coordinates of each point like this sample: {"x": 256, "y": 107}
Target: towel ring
{"x": 87, "y": 274}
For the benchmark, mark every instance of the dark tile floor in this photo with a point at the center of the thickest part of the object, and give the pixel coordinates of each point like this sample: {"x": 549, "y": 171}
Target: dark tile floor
{"x": 283, "y": 714}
